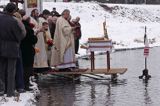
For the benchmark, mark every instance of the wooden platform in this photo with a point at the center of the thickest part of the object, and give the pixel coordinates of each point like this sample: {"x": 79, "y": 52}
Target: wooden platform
{"x": 96, "y": 71}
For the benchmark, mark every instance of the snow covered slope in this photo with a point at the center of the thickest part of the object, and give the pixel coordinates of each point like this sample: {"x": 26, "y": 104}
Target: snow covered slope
{"x": 125, "y": 23}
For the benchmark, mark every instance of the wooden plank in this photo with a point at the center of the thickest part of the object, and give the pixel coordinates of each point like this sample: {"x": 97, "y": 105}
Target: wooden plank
{"x": 99, "y": 41}
{"x": 96, "y": 38}
{"x": 95, "y": 71}
{"x": 94, "y": 77}
{"x": 100, "y": 47}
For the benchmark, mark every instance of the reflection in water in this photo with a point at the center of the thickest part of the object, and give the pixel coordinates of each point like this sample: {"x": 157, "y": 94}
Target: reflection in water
{"x": 86, "y": 93}
{"x": 129, "y": 90}
{"x": 147, "y": 99}
{"x": 57, "y": 93}
{"x": 93, "y": 96}
{"x": 109, "y": 99}
{"x": 94, "y": 93}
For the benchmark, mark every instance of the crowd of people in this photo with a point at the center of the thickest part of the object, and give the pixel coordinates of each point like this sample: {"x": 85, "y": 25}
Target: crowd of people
{"x": 46, "y": 39}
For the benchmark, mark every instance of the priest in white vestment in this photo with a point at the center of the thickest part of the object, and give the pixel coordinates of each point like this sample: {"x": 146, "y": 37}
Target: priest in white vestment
{"x": 63, "y": 52}
{"x": 41, "y": 58}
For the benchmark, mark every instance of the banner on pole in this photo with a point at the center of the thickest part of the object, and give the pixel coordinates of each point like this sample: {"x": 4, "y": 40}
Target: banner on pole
{"x": 146, "y": 51}
{"x": 146, "y": 45}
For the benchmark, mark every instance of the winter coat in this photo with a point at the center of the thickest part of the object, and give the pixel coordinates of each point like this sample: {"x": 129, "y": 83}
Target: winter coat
{"x": 11, "y": 35}
{"x": 27, "y": 45}
{"x": 78, "y": 31}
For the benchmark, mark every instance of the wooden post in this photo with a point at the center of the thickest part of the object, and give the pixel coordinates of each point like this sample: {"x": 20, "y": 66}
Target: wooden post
{"x": 92, "y": 61}
{"x": 108, "y": 60}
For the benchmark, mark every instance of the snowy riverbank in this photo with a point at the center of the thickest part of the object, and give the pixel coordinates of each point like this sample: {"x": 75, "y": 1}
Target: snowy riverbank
{"x": 125, "y": 24}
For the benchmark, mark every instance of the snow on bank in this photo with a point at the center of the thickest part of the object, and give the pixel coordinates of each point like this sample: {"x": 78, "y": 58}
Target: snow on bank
{"x": 24, "y": 99}
{"x": 125, "y": 23}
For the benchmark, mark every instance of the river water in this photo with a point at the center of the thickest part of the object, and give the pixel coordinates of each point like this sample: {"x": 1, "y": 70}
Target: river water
{"x": 129, "y": 90}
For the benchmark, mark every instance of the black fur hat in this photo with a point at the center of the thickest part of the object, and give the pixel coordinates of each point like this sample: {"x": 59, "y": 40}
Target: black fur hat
{"x": 46, "y": 12}
{"x": 10, "y": 7}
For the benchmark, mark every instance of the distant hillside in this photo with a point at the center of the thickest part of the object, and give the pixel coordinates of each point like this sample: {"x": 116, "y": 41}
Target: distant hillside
{"x": 125, "y": 22}
{"x": 112, "y": 1}
{"x": 134, "y": 13}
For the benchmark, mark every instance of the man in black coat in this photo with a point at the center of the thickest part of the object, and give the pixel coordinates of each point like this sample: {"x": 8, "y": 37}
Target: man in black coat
{"x": 11, "y": 35}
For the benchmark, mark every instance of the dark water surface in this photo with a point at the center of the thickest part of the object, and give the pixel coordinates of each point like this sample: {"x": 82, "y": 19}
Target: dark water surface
{"x": 129, "y": 90}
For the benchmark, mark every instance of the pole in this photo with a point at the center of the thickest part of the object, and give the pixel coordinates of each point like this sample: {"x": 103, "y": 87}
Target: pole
{"x": 108, "y": 61}
{"x": 145, "y": 71}
{"x": 145, "y": 36}
{"x": 145, "y": 62}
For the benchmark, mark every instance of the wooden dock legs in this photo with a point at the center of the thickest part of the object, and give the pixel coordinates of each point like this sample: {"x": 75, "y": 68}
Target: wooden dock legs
{"x": 92, "y": 61}
{"x": 113, "y": 76}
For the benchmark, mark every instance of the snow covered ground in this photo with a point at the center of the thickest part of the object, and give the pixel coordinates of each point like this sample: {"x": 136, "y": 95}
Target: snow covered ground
{"x": 24, "y": 99}
{"x": 125, "y": 24}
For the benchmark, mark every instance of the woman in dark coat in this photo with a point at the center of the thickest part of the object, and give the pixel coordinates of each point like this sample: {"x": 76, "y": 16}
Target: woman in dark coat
{"x": 28, "y": 51}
